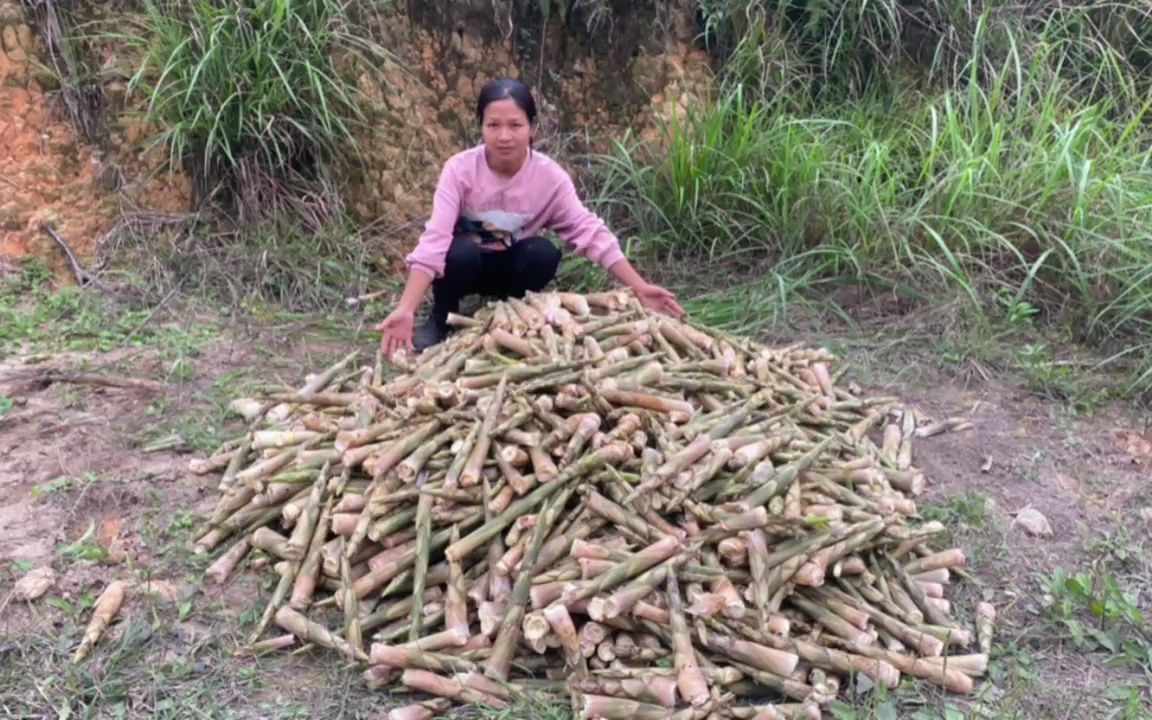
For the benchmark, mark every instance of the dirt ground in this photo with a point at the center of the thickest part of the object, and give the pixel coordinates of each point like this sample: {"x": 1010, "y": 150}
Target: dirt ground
{"x": 80, "y": 492}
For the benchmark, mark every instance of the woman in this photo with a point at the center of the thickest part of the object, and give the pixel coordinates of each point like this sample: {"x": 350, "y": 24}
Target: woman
{"x": 490, "y": 204}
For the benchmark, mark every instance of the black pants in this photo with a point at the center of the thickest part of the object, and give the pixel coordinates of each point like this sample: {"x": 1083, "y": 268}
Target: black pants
{"x": 529, "y": 264}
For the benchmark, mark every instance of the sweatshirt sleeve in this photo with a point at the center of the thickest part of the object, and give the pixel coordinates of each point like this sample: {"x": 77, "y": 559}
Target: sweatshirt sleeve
{"x": 581, "y": 228}
{"x": 428, "y": 256}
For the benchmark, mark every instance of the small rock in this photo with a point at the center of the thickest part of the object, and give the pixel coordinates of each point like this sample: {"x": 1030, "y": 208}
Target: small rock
{"x": 1146, "y": 514}
{"x": 1033, "y": 522}
{"x": 863, "y": 685}
{"x": 34, "y": 584}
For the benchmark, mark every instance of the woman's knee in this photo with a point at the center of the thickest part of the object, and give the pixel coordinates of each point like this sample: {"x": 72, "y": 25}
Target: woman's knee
{"x": 463, "y": 258}
{"x": 537, "y": 258}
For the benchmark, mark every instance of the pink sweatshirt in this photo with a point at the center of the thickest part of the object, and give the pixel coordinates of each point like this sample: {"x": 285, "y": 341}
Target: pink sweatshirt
{"x": 540, "y": 196}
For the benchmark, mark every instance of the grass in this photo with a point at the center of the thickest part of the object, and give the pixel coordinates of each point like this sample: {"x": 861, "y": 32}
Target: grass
{"x": 171, "y": 653}
{"x": 161, "y": 663}
{"x": 1024, "y": 191}
{"x": 1081, "y": 611}
{"x": 34, "y": 315}
{"x": 253, "y": 98}
{"x": 275, "y": 266}
{"x": 526, "y": 710}
{"x": 106, "y": 334}
{"x": 840, "y": 48}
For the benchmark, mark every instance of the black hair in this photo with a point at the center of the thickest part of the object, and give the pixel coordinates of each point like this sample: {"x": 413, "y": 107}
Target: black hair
{"x": 506, "y": 88}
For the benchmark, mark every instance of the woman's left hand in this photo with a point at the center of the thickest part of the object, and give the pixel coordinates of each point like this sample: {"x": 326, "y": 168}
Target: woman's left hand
{"x": 657, "y": 299}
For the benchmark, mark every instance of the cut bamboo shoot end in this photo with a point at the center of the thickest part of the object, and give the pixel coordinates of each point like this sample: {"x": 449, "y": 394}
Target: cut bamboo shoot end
{"x": 975, "y": 665}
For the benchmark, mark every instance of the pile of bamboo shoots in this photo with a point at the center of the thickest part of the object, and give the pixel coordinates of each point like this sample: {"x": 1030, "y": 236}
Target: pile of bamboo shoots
{"x": 575, "y": 498}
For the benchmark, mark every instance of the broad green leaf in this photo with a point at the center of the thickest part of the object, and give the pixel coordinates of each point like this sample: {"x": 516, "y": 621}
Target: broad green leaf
{"x": 22, "y": 566}
{"x": 59, "y": 604}
{"x": 841, "y": 711}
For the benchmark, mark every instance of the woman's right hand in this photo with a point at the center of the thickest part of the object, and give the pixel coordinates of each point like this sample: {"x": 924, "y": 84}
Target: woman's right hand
{"x": 397, "y": 332}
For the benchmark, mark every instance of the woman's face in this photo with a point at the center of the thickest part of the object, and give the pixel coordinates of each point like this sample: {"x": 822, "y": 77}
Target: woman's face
{"x": 507, "y": 132}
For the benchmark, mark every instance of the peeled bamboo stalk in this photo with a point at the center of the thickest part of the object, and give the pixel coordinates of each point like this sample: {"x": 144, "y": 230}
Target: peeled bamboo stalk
{"x": 606, "y": 707}
{"x": 509, "y": 632}
{"x": 974, "y": 665}
{"x": 425, "y": 710}
{"x": 451, "y": 688}
{"x": 312, "y": 632}
{"x": 943, "y": 560}
{"x": 758, "y": 656}
{"x": 689, "y": 680}
{"x": 985, "y": 624}
{"x": 226, "y": 563}
{"x": 103, "y": 613}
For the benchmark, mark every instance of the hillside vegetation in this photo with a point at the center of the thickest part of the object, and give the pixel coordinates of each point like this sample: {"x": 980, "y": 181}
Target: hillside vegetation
{"x": 987, "y": 160}
{"x": 995, "y": 152}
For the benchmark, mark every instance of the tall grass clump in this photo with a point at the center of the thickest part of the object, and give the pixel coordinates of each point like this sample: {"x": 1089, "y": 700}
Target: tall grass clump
{"x": 844, "y": 48}
{"x": 248, "y": 96}
{"x": 1026, "y": 182}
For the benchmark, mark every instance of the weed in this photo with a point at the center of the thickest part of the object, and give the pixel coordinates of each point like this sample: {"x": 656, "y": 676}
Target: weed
{"x": 1129, "y": 701}
{"x": 1117, "y": 624}
{"x": 158, "y": 408}
{"x": 36, "y": 317}
{"x": 1117, "y": 549}
{"x": 536, "y": 710}
{"x": 1017, "y": 312}
{"x": 53, "y": 486}
{"x": 280, "y": 264}
{"x": 798, "y": 194}
{"x": 181, "y": 522}
{"x": 1065, "y": 382}
{"x": 84, "y": 548}
{"x": 249, "y": 95}
{"x": 837, "y": 48}
{"x": 969, "y": 509}
{"x": 21, "y": 566}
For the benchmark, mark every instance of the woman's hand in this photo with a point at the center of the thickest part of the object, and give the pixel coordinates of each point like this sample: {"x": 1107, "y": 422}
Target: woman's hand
{"x": 397, "y": 329}
{"x": 657, "y": 299}
{"x": 652, "y": 297}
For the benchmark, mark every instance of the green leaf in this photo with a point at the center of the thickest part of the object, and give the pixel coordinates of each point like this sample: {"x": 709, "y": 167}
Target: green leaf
{"x": 1107, "y": 640}
{"x": 60, "y": 604}
{"x": 951, "y": 713}
{"x": 1118, "y": 692}
{"x": 22, "y": 566}
{"x": 84, "y": 552}
{"x": 6, "y": 404}
{"x": 185, "y": 611}
{"x": 1076, "y": 630}
{"x": 841, "y": 711}
{"x": 886, "y": 711}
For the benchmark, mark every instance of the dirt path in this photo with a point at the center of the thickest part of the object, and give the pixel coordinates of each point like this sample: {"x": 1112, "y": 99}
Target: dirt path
{"x": 79, "y": 492}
